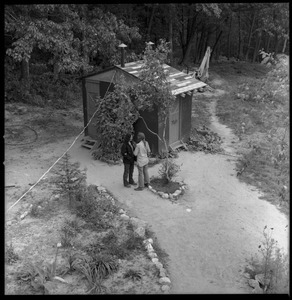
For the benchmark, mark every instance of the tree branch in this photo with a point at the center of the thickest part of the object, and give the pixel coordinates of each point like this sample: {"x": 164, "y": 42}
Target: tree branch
{"x": 150, "y": 129}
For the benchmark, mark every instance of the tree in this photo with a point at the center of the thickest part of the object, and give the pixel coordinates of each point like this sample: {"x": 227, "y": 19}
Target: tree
{"x": 154, "y": 89}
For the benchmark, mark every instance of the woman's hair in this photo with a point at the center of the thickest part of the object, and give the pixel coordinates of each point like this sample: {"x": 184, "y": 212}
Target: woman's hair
{"x": 127, "y": 137}
{"x": 140, "y": 136}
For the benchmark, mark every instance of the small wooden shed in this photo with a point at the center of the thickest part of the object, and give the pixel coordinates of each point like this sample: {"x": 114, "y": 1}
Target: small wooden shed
{"x": 179, "y": 125}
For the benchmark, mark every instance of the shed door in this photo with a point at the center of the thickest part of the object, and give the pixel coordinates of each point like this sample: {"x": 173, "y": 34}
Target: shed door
{"x": 174, "y": 123}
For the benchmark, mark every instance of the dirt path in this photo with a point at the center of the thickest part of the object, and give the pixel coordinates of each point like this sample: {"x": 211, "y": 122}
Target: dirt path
{"x": 207, "y": 246}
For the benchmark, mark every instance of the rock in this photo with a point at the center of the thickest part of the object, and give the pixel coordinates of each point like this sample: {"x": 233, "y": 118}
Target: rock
{"x": 257, "y": 290}
{"x": 150, "y": 241}
{"x": 177, "y": 192}
{"x": 137, "y": 222}
{"x": 162, "y": 273}
{"x": 182, "y": 187}
{"x": 121, "y": 211}
{"x": 149, "y": 247}
{"x": 55, "y": 197}
{"x": 140, "y": 232}
{"x": 165, "y": 288}
{"x": 24, "y": 215}
{"x": 159, "y": 265}
{"x": 154, "y": 260}
{"x": 152, "y": 254}
{"x": 55, "y": 288}
{"x": 125, "y": 217}
{"x": 101, "y": 189}
{"x": 154, "y": 191}
{"x": 165, "y": 196}
{"x": 164, "y": 280}
{"x": 253, "y": 283}
{"x": 60, "y": 279}
{"x": 246, "y": 275}
{"x": 160, "y": 193}
{"x": 261, "y": 279}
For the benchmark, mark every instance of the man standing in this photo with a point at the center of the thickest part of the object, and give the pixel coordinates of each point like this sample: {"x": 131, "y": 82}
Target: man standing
{"x": 142, "y": 152}
{"x": 127, "y": 151}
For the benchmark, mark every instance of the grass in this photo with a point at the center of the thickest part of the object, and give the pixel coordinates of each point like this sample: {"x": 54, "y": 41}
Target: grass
{"x": 265, "y": 139}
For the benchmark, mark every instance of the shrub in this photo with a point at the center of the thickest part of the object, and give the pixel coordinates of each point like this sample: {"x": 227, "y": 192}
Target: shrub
{"x": 10, "y": 255}
{"x": 68, "y": 179}
{"x": 133, "y": 274}
{"x": 271, "y": 266}
{"x": 168, "y": 169}
{"x": 96, "y": 268}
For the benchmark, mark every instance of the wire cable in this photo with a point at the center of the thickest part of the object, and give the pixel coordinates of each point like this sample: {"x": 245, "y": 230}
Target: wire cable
{"x": 63, "y": 153}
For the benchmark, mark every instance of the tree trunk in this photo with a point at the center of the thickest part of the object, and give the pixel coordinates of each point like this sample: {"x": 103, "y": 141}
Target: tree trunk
{"x": 187, "y": 52}
{"x": 229, "y": 38}
{"x": 268, "y": 44}
{"x": 189, "y": 40}
{"x": 285, "y": 43}
{"x": 249, "y": 37}
{"x": 277, "y": 40}
{"x": 257, "y": 47}
{"x": 151, "y": 22}
{"x": 239, "y": 55}
{"x": 171, "y": 33}
{"x": 216, "y": 42}
{"x": 56, "y": 70}
{"x": 200, "y": 46}
{"x": 24, "y": 70}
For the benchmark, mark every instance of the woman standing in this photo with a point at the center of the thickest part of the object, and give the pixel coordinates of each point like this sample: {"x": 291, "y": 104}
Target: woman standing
{"x": 142, "y": 151}
{"x": 127, "y": 151}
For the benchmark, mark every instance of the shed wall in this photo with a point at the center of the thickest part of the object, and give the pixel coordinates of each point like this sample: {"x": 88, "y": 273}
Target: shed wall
{"x": 151, "y": 120}
{"x": 186, "y": 116}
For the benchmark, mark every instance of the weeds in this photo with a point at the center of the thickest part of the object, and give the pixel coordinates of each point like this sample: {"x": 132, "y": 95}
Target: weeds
{"x": 10, "y": 255}
{"x": 36, "y": 275}
{"x": 133, "y": 274}
{"x": 96, "y": 268}
{"x": 271, "y": 269}
{"x": 133, "y": 242}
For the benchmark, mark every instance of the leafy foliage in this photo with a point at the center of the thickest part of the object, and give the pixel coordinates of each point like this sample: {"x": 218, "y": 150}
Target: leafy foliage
{"x": 116, "y": 115}
{"x": 271, "y": 267}
{"x": 68, "y": 179}
{"x": 168, "y": 170}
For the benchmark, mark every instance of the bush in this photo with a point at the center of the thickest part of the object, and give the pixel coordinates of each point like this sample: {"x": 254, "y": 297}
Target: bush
{"x": 271, "y": 268}
{"x": 168, "y": 169}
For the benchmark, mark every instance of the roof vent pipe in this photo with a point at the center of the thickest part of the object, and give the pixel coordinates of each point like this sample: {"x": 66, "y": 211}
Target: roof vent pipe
{"x": 122, "y": 46}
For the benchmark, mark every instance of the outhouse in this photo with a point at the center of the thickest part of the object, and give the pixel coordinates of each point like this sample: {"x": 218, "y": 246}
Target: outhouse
{"x": 179, "y": 122}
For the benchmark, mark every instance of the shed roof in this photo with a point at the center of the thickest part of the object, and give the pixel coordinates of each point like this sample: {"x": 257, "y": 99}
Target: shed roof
{"x": 180, "y": 82}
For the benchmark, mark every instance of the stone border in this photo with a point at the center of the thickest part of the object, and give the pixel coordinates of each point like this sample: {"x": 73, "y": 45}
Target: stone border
{"x": 171, "y": 196}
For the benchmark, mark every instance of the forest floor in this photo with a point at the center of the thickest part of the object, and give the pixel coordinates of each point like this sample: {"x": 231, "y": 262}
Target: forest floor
{"x": 208, "y": 233}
